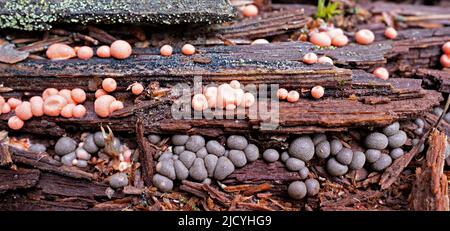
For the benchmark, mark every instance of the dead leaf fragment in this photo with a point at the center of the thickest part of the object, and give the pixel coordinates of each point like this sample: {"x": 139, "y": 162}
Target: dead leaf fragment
{"x": 8, "y": 54}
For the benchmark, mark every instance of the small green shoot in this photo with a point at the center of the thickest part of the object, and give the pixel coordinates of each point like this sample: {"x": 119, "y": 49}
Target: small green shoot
{"x": 327, "y": 12}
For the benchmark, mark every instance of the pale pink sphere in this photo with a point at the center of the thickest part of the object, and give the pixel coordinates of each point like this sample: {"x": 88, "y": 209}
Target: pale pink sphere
{"x": 109, "y": 84}
{"x": 6, "y": 108}
{"x": 2, "y": 101}
{"x": 120, "y": 49}
{"x": 37, "y": 105}
{"x": 211, "y": 96}
{"x": 390, "y": 33}
{"x": 199, "y": 102}
{"x": 381, "y": 73}
{"x": 115, "y": 105}
{"x": 260, "y": 41}
{"x": 166, "y": 50}
{"x": 250, "y": 11}
{"x": 310, "y": 58}
{"x": 445, "y": 60}
{"x": 67, "y": 94}
{"x": 332, "y": 33}
{"x": 66, "y": 111}
{"x": 249, "y": 100}
{"x": 102, "y": 104}
{"x": 188, "y": 49}
{"x": 317, "y": 92}
{"x": 325, "y": 59}
{"x": 14, "y": 102}
{"x": 48, "y": 92}
{"x": 225, "y": 95}
{"x": 54, "y": 104}
{"x": 78, "y": 111}
{"x": 15, "y": 123}
{"x": 239, "y": 96}
{"x": 320, "y": 39}
{"x": 340, "y": 40}
{"x": 230, "y": 107}
{"x": 282, "y": 93}
{"x": 100, "y": 92}
{"x": 446, "y": 48}
{"x": 104, "y": 51}
{"x": 235, "y": 84}
{"x": 293, "y": 96}
{"x": 364, "y": 37}
{"x": 23, "y": 111}
{"x": 85, "y": 53}
{"x": 137, "y": 89}
{"x": 78, "y": 95}
{"x": 60, "y": 51}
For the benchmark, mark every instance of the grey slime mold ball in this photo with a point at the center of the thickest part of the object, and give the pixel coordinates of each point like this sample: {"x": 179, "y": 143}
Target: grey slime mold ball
{"x": 297, "y": 190}
{"x": 251, "y": 152}
{"x": 396, "y": 153}
{"x": 179, "y": 140}
{"x": 372, "y": 155}
{"x": 304, "y": 172}
{"x": 224, "y": 168}
{"x": 335, "y": 146}
{"x": 376, "y": 140}
{"x": 335, "y": 168}
{"x": 187, "y": 158}
{"x": 163, "y": 183}
{"x": 154, "y": 139}
{"x": 89, "y": 144}
{"x": 294, "y": 164}
{"x": 358, "y": 160}
{"x": 198, "y": 170}
{"x": 237, "y": 142}
{"x": 271, "y": 155}
{"x": 118, "y": 180}
{"x": 99, "y": 140}
{"x": 397, "y": 140}
{"x": 323, "y": 149}
{"x": 65, "y": 145}
{"x": 345, "y": 156}
{"x": 302, "y": 148}
{"x": 238, "y": 158}
{"x": 382, "y": 163}
{"x": 312, "y": 187}
{"x": 180, "y": 170}
{"x": 214, "y": 147}
{"x": 195, "y": 143}
{"x": 391, "y": 129}
{"x": 166, "y": 168}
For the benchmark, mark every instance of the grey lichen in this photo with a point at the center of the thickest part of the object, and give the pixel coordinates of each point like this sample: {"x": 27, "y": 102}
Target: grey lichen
{"x": 39, "y": 14}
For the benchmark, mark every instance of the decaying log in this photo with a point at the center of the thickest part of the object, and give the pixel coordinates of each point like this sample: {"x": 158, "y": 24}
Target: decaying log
{"x": 264, "y": 25}
{"x": 5, "y": 156}
{"x": 18, "y": 179}
{"x": 45, "y": 163}
{"x": 430, "y": 190}
{"x": 260, "y": 172}
{"x": 147, "y": 153}
{"x": 19, "y": 202}
{"x": 55, "y": 185}
{"x": 39, "y": 15}
{"x": 440, "y": 78}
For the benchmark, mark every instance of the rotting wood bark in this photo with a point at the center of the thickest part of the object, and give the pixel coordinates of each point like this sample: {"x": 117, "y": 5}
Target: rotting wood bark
{"x": 18, "y": 179}
{"x": 430, "y": 190}
{"x": 46, "y": 163}
{"x": 5, "y": 156}
{"x": 39, "y": 15}
{"x": 147, "y": 153}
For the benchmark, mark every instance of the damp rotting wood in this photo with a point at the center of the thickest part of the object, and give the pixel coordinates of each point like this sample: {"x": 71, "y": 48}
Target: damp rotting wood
{"x": 430, "y": 190}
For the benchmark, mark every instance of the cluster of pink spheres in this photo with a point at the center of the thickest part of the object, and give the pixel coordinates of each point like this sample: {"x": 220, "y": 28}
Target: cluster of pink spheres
{"x": 66, "y": 103}
{"x": 228, "y": 96}
{"x": 105, "y": 104}
{"x": 167, "y": 50}
{"x": 445, "y": 58}
{"x": 119, "y": 49}
{"x": 336, "y": 37}
{"x": 311, "y": 58}
{"x": 317, "y": 92}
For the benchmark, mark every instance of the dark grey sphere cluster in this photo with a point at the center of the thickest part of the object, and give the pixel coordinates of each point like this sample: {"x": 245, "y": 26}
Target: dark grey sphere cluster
{"x": 299, "y": 189}
{"x": 201, "y": 160}
{"x": 72, "y": 153}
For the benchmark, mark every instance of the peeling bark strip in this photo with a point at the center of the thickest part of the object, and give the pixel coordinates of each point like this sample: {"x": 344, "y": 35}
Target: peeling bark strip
{"x": 441, "y": 78}
{"x": 147, "y": 153}
{"x": 46, "y": 163}
{"x": 430, "y": 191}
{"x": 5, "y": 156}
{"x": 39, "y": 15}
{"x": 18, "y": 179}
{"x": 265, "y": 25}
